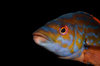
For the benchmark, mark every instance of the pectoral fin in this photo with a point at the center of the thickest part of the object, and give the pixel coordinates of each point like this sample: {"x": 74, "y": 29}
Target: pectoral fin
{"x": 92, "y": 55}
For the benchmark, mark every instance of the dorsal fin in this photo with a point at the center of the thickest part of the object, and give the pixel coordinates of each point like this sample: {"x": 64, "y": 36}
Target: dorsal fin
{"x": 82, "y": 12}
{"x": 96, "y": 19}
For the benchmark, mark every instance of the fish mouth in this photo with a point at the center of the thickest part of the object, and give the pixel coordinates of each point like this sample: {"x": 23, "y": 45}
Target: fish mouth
{"x": 39, "y": 37}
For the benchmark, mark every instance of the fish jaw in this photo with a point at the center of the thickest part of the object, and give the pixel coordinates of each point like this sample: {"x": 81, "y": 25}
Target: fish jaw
{"x": 40, "y": 38}
{"x": 44, "y": 41}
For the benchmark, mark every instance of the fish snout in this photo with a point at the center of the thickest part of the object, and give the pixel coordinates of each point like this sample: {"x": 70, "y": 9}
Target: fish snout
{"x": 40, "y": 38}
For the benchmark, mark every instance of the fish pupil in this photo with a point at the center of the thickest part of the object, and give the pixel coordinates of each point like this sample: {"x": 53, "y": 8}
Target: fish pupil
{"x": 63, "y": 30}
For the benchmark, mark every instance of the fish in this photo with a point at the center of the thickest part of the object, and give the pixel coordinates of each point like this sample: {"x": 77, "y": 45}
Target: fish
{"x": 74, "y": 36}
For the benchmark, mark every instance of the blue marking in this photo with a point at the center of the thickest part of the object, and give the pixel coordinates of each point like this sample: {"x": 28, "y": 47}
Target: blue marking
{"x": 86, "y": 47}
{"x": 91, "y": 20}
{"x": 58, "y": 23}
{"x": 89, "y": 34}
{"x": 79, "y": 40}
{"x": 80, "y": 26}
{"x": 95, "y": 27}
{"x": 70, "y": 26}
{"x": 92, "y": 34}
{"x": 94, "y": 44}
{"x": 63, "y": 52}
{"x": 84, "y": 42}
{"x": 67, "y": 16}
{"x": 91, "y": 41}
{"x": 99, "y": 42}
{"x": 95, "y": 35}
{"x": 56, "y": 48}
{"x": 64, "y": 41}
{"x": 75, "y": 47}
{"x": 88, "y": 63}
{"x": 90, "y": 26}
{"x": 80, "y": 18}
{"x": 49, "y": 29}
{"x": 81, "y": 33}
{"x": 77, "y": 54}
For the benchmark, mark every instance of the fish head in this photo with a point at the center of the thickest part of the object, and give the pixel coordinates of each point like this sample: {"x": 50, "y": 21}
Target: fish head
{"x": 57, "y": 37}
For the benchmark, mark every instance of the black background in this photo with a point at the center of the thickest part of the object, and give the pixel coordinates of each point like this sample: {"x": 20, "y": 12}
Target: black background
{"x": 33, "y": 17}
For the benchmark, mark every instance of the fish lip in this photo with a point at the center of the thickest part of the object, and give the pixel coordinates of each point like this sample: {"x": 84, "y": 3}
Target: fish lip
{"x": 41, "y": 35}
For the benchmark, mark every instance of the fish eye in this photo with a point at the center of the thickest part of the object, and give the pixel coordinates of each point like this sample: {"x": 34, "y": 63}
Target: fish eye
{"x": 63, "y": 30}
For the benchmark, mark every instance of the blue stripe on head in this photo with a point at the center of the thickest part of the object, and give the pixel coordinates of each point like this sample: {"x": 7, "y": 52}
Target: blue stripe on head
{"x": 71, "y": 26}
{"x": 64, "y": 41}
{"x": 49, "y": 29}
{"x": 67, "y": 16}
{"x": 58, "y": 23}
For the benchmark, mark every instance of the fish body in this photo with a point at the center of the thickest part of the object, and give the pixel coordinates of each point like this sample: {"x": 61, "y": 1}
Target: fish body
{"x": 67, "y": 35}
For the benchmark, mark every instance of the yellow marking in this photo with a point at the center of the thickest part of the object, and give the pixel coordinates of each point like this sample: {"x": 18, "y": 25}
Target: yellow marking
{"x": 51, "y": 35}
{"x": 81, "y": 38}
{"x": 72, "y": 50}
{"x": 95, "y": 40}
{"x": 57, "y": 41}
{"x": 54, "y": 26}
{"x": 64, "y": 45}
{"x": 66, "y": 36}
{"x": 71, "y": 44}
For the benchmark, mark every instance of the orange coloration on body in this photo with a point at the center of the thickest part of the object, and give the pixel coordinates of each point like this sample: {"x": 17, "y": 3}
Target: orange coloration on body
{"x": 72, "y": 50}
{"x": 64, "y": 45}
{"x": 81, "y": 37}
{"x": 56, "y": 41}
{"x": 71, "y": 46}
{"x": 53, "y": 25}
{"x": 92, "y": 55}
{"x": 80, "y": 29}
